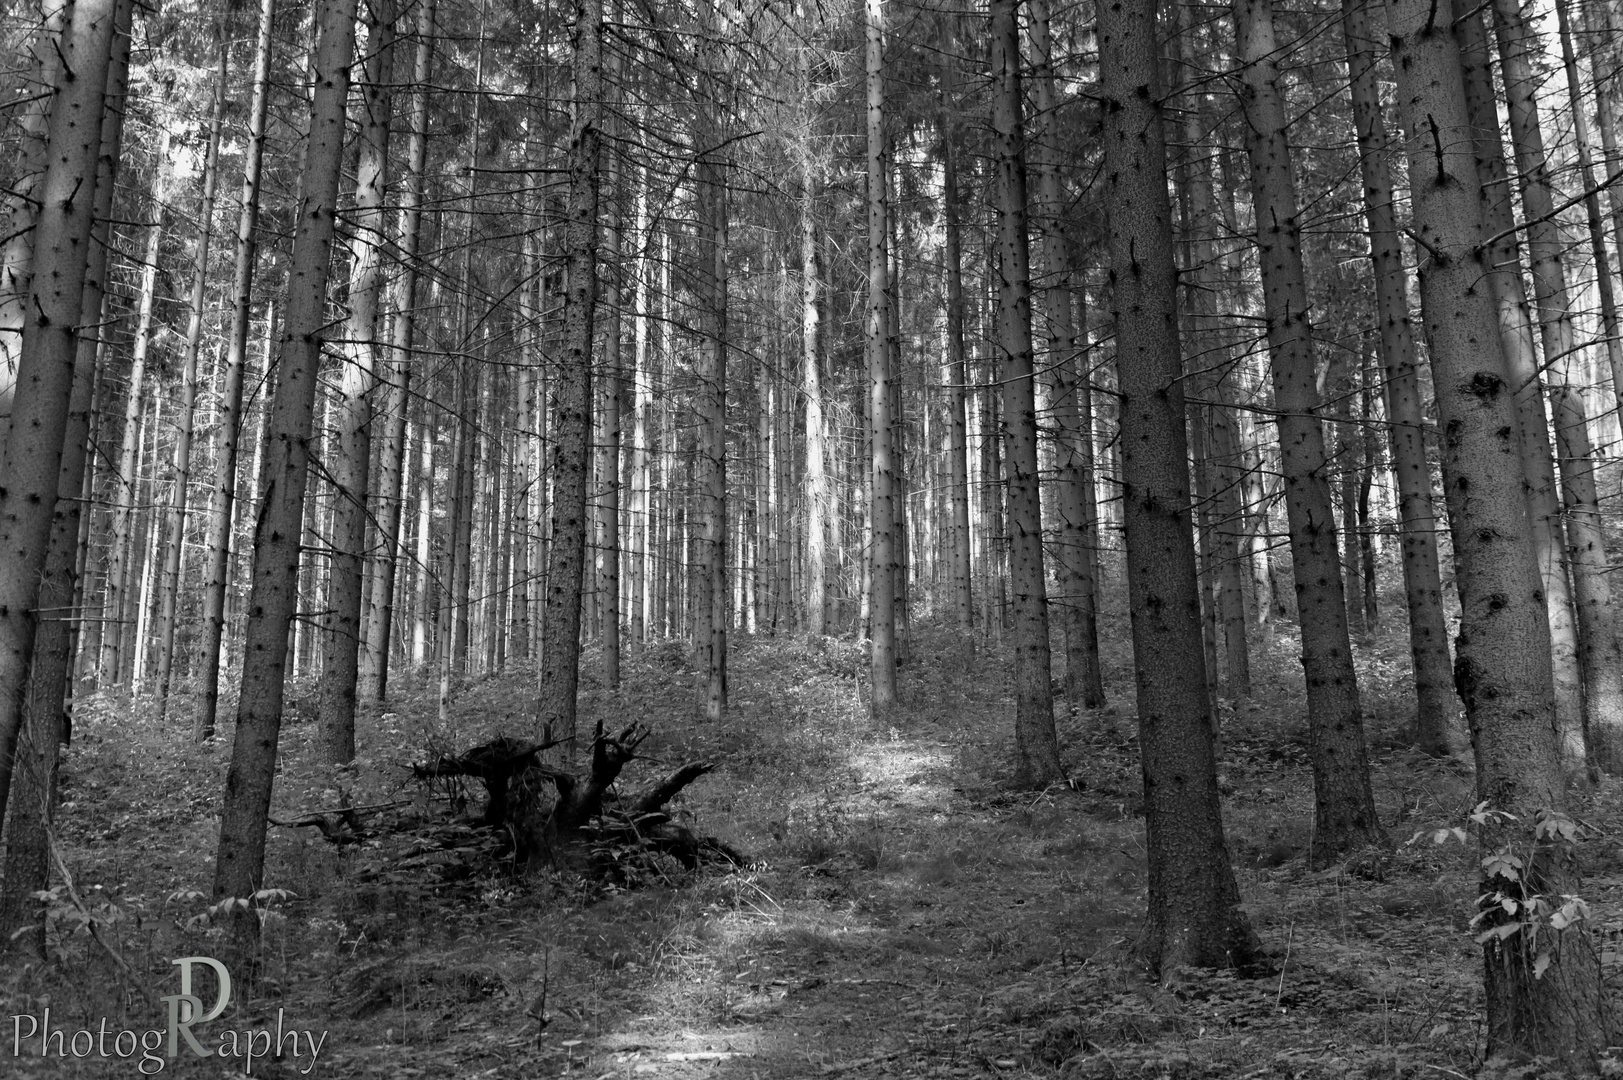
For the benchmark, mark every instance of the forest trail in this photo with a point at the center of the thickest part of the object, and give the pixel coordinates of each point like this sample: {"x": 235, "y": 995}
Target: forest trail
{"x": 907, "y": 915}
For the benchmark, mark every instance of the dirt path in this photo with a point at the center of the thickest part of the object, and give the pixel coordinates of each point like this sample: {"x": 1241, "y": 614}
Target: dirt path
{"x": 907, "y": 916}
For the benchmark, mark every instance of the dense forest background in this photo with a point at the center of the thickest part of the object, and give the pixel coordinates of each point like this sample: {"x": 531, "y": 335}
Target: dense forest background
{"x": 1179, "y": 440}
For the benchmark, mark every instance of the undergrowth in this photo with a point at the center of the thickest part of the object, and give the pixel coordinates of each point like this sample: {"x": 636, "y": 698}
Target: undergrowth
{"x": 903, "y": 912}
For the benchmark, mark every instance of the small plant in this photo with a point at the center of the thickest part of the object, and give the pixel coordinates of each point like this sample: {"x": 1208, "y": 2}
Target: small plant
{"x": 1506, "y": 907}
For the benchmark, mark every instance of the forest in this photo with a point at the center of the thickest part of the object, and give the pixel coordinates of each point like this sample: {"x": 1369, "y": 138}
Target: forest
{"x": 699, "y": 538}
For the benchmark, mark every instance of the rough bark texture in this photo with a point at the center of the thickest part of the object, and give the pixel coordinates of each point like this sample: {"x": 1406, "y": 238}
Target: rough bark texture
{"x": 1222, "y": 456}
{"x": 713, "y": 599}
{"x": 1435, "y": 701}
{"x": 1073, "y": 483}
{"x": 350, "y": 460}
{"x": 30, "y": 471}
{"x": 1527, "y": 379}
{"x": 1345, "y": 815}
{"x": 1502, "y": 666}
{"x": 240, "y": 859}
{"x": 1036, "y": 746}
{"x": 21, "y": 202}
{"x": 48, "y": 709}
{"x": 572, "y": 392}
{"x": 881, "y": 494}
{"x": 380, "y": 630}
{"x": 1194, "y": 910}
{"x": 1598, "y": 656}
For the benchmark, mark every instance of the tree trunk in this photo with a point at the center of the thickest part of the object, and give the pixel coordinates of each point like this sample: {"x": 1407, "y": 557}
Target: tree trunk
{"x": 223, "y": 498}
{"x": 380, "y": 629}
{"x": 351, "y": 458}
{"x": 1037, "y": 761}
{"x": 817, "y": 493}
{"x": 239, "y": 866}
{"x": 180, "y": 468}
{"x": 1345, "y": 815}
{"x": 957, "y": 364}
{"x": 881, "y": 496}
{"x": 608, "y": 446}
{"x": 1526, "y": 376}
{"x": 1194, "y": 903}
{"x": 47, "y": 719}
{"x": 572, "y": 389}
{"x": 20, "y": 212}
{"x": 1222, "y": 454}
{"x": 712, "y": 610}
{"x": 1435, "y": 702}
{"x": 1083, "y": 679}
{"x": 119, "y": 606}
{"x": 1502, "y": 670}
{"x": 30, "y": 471}
{"x": 1610, "y": 332}
{"x": 1599, "y": 657}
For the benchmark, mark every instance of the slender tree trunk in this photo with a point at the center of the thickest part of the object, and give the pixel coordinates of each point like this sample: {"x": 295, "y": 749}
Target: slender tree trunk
{"x": 1611, "y": 334}
{"x": 1222, "y": 456}
{"x": 240, "y": 861}
{"x": 881, "y": 496}
{"x": 1083, "y": 678}
{"x": 1503, "y": 668}
{"x": 116, "y": 659}
{"x": 1345, "y": 816}
{"x": 817, "y": 492}
{"x": 223, "y": 498}
{"x": 608, "y": 446}
{"x": 351, "y": 459}
{"x": 572, "y": 389}
{"x": 1037, "y": 761}
{"x": 180, "y": 468}
{"x": 1194, "y": 903}
{"x": 1435, "y": 702}
{"x": 380, "y": 609}
{"x": 1599, "y": 656}
{"x": 957, "y": 363}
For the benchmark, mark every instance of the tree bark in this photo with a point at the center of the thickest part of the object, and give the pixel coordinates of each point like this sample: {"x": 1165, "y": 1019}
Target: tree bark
{"x": 1037, "y": 761}
{"x": 1345, "y": 816}
{"x": 223, "y": 498}
{"x": 48, "y": 709}
{"x": 1435, "y": 701}
{"x": 881, "y": 496}
{"x": 1599, "y": 656}
{"x": 1194, "y": 909}
{"x": 20, "y": 207}
{"x": 572, "y": 390}
{"x": 30, "y": 471}
{"x": 123, "y": 567}
{"x": 957, "y": 363}
{"x": 1502, "y": 669}
{"x": 1084, "y": 684}
{"x": 240, "y": 859}
{"x": 180, "y": 467}
{"x": 380, "y": 628}
{"x": 350, "y": 462}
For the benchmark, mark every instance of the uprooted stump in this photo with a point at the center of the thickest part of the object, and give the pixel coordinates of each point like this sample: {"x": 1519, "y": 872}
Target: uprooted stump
{"x": 546, "y": 812}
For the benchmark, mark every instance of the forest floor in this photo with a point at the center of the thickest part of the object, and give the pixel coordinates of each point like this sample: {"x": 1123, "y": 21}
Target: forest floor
{"x": 905, "y": 914}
